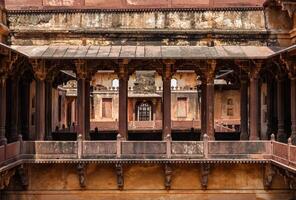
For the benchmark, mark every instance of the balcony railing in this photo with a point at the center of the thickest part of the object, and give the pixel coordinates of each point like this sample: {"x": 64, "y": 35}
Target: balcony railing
{"x": 167, "y": 150}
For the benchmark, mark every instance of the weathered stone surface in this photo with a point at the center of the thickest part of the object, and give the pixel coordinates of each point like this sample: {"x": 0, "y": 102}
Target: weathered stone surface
{"x": 105, "y": 28}
{"x": 189, "y": 148}
{"x": 195, "y": 20}
{"x": 146, "y": 181}
{"x": 145, "y": 82}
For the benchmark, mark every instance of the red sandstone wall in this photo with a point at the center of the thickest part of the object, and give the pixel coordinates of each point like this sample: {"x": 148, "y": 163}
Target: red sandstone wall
{"x": 114, "y": 4}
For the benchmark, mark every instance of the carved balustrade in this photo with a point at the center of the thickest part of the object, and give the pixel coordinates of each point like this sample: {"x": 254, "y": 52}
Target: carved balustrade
{"x": 265, "y": 151}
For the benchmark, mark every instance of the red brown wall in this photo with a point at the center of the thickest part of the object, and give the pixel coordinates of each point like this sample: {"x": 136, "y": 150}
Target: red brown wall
{"x": 114, "y": 4}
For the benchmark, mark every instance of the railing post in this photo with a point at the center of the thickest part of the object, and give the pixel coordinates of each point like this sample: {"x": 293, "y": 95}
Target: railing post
{"x": 118, "y": 145}
{"x": 168, "y": 139}
{"x": 20, "y": 139}
{"x": 79, "y": 141}
{"x": 272, "y": 139}
{"x": 206, "y": 145}
{"x": 289, "y": 149}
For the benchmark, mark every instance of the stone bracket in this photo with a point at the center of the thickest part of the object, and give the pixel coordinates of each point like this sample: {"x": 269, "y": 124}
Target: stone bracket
{"x": 268, "y": 175}
{"x": 289, "y": 177}
{"x": 5, "y": 177}
{"x": 205, "y": 171}
{"x": 290, "y": 7}
{"x": 81, "y": 168}
{"x": 119, "y": 173}
{"x": 168, "y": 176}
{"x": 23, "y": 177}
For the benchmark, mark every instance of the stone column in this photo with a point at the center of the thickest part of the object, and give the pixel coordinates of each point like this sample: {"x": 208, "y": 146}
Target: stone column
{"x": 48, "y": 109}
{"x": 254, "y": 102}
{"x": 24, "y": 107}
{"x": 203, "y": 119}
{"x": 244, "y": 109}
{"x": 83, "y": 98}
{"x": 166, "y": 113}
{"x": 40, "y": 109}
{"x": 40, "y": 75}
{"x": 15, "y": 110}
{"x": 209, "y": 74}
{"x": 3, "y": 109}
{"x": 123, "y": 97}
{"x": 208, "y": 98}
{"x": 270, "y": 107}
{"x": 281, "y": 135}
{"x": 293, "y": 109}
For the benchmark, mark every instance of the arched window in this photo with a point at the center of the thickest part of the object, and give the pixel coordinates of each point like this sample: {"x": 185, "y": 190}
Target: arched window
{"x": 115, "y": 83}
{"x": 144, "y": 111}
{"x": 174, "y": 83}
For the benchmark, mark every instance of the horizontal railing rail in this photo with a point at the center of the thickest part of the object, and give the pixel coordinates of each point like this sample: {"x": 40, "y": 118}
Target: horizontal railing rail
{"x": 260, "y": 150}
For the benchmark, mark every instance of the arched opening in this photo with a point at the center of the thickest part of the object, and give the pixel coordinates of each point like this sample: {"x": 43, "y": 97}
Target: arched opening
{"x": 115, "y": 83}
{"x": 144, "y": 111}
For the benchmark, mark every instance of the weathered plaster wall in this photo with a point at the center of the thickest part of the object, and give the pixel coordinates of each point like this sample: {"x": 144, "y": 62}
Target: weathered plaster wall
{"x": 105, "y": 28}
{"x": 146, "y": 181}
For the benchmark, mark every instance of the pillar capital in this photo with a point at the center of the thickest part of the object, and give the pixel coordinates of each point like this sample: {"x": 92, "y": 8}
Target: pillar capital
{"x": 123, "y": 71}
{"x": 209, "y": 72}
{"x": 7, "y": 64}
{"x": 255, "y": 68}
{"x": 39, "y": 68}
{"x": 290, "y": 66}
{"x": 81, "y": 69}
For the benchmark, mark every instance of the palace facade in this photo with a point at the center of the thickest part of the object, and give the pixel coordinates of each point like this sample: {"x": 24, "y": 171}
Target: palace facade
{"x": 138, "y": 99}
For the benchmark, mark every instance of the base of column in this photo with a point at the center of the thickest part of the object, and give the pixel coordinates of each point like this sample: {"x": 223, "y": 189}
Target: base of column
{"x": 3, "y": 141}
{"x": 244, "y": 136}
{"x": 281, "y": 137}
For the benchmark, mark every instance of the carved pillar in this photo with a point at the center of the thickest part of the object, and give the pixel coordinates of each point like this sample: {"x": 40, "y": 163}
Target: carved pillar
{"x": 270, "y": 107}
{"x": 281, "y": 135}
{"x": 293, "y": 109}
{"x": 48, "y": 109}
{"x": 203, "y": 119}
{"x": 166, "y": 119}
{"x": 83, "y": 99}
{"x": 15, "y": 110}
{"x": 209, "y": 76}
{"x": 3, "y": 109}
{"x": 24, "y": 107}
{"x": 254, "y": 102}
{"x": 40, "y": 75}
{"x": 123, "y": 97}
{"x": 244, "y": 109}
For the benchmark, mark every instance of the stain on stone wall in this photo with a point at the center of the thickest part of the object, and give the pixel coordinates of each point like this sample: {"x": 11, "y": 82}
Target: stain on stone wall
{"x": 157, "y": 27}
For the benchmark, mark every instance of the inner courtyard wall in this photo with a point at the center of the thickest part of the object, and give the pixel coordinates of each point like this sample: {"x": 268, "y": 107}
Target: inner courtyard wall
{"x": 146, "y": 181}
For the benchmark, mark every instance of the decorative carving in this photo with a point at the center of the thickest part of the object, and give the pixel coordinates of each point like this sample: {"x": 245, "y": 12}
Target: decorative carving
{"x": 289, "y": 6}
{"x": 254, "y": 70}
{"x": 205, "y": 171}
{"x": 145, "y": 82}
{"x": 39, "y": 69}
{"x": 123, "y": 70}
{"x": 119, "y": 173}
{"x": 81, "y": 69}
{"x": 290, "y": 66}
{"x": 208, "y": 71}
{"x": 5, "y": 177}
{"x": 168, "y": 70}
{"x": 269, "y": 173}
{"x": 289, "y": 177}
{"x": 7, "y": 64}
{"x": 23, "y": 176}
{"x": 81, "y": 168}
{"x": 168, "y": 176}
